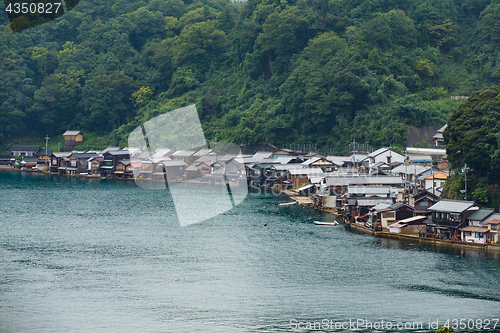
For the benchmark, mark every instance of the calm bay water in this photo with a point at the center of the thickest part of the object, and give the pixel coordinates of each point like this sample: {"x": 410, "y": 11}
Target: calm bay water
{"x": 91, "y": 255}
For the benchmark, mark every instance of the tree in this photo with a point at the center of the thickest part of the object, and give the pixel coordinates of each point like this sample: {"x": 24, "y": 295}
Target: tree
{"x": 283, "y": 34}
{"x": 473, "y": 133}
{"x": 199, "y": 44}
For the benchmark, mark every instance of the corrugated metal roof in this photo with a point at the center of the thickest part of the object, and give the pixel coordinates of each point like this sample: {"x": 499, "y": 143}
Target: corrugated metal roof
{"x": 307, "y": 171}
{"x": 184, "y": 153}
{"x": 262, "y": 154}
{"x": 285, "y": 167}
{"x": 413, "y": 218}
{"x": 481, "y": 214}
{"x": 378, "y": 152}
{"x": 311, "y": 160}
{"x": 494, "y": 216}
{"x": 369, "y": 189}
{"x": 452, "y": 206}
{"x": 373, "y": 201}
{"x": 173, "y": 163}
{"x": 71, "y": 133}
{"x": 380, "y": 206}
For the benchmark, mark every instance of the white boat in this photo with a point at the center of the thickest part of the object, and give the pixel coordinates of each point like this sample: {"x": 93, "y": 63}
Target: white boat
{"x": 326, "y": 223}
{"x": 291, "y": 203}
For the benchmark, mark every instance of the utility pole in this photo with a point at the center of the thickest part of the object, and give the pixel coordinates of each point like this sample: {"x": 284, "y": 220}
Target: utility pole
{"x": 46, "y": 147}
{"x": 465, "y": 181}
{"x": 390, "y": 160}
{"x": 354, "y": 152}
{"x": 407, "y": 196}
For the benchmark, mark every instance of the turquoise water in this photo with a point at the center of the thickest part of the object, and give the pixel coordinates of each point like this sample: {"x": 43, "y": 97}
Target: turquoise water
{"x": 91, "y": 255}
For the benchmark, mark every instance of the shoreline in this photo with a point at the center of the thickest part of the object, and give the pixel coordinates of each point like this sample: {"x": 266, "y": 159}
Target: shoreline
{"x": 423, "y": 240}
{"x": 309, "y": 202}
{"x": 391, "y": 235}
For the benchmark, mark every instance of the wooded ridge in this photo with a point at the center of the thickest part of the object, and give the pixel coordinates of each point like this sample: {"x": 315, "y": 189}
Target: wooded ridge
{"x": 306, "y": 71}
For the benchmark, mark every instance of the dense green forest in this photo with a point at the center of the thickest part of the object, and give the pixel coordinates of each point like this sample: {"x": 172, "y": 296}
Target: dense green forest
{"x": 263, "y": 71}
{"x": 473, "y": 140}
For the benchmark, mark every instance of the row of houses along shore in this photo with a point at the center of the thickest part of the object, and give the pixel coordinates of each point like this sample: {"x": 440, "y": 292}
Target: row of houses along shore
{"x": 380, "y": 191}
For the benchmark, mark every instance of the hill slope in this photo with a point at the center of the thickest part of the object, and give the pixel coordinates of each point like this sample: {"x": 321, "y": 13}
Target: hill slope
{"x": 307, "y": 71}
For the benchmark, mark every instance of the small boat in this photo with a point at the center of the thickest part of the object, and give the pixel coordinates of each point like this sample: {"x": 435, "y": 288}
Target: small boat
{"x": 326, "y": 223}
{"x": 291, "y": 203}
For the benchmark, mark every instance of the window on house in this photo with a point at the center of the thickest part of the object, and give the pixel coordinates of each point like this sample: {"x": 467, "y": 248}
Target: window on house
{"x": 424, "y": 203}
{"x": 494, "y": 227}
{"x": 73, "y": 163}
{"x": 95, "y": 165}
{"x": 479, "y": 235}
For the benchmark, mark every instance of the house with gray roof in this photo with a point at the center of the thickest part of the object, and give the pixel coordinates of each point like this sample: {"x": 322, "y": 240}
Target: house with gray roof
{"x": 20, "y": 150}
{"x": 476, "y": 218}
{"x": 448, "y": 216}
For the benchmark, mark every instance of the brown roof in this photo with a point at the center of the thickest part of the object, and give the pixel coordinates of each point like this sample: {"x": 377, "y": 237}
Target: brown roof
{"x": 493, "y": 222}
{"x": 475, "y": 229}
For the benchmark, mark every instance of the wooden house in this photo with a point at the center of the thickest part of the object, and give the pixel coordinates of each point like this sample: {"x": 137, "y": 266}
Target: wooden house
{"x": 493, "y": 235}
{"x": 29, "y": 163}
{"x": 299, "y": 176}
{"x": 58, "y": 163}
{"x": 19, "y": 150}
{"x": 158, "y": 172}
{"x": 78, "y": 162}
{"x": 63, "y": 164}
{"x": 411, "y": 225}
{"x": 443, "y": 162}
{"x": 283, "y": 152}
{"x": 192, "y": 171}
{"x": 395, "y": 212}
{"x": 436, "y": 179}
{"x": 319, "y": 162}
{"x": 72, "y": 139}
{"x": 438, "y": 139}
{"x": 146, "y": 170}
{"x": 6, "y": 159}
{"x": 478, "y": 216}
{"x": 173, "y": 169}
{"x": 187, "y": 156}
{"x": 385, "y": 155}
{"x": 94, "y": 165}
{"x": 44, "y": 157}
{"x": 448, "y": 216}
{"x": 423, "y": 200}
{"x": 359, "y": 208}
{"x": 124, "y": 169}
{"x": 111, "y": 158}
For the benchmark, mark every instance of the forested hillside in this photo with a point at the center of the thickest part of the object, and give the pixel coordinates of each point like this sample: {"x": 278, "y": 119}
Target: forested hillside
{"x": 305, "y": 71}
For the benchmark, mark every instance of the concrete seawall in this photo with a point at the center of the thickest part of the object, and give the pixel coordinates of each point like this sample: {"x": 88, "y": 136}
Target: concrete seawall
{"x": 424, "y": 240}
